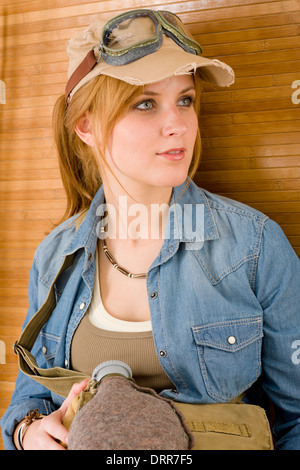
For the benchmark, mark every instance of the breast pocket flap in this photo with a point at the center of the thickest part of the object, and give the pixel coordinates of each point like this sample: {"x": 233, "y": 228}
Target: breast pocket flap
{"x": 230, "y": 335}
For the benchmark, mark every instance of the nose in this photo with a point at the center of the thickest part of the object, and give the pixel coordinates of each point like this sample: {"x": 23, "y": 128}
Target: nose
{"x": 174, "y": 123}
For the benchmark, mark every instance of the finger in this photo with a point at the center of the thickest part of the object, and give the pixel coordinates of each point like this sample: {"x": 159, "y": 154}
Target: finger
{"x": 52, "y": 444}
{"x": 74, "y": 392}
{"x": 54, "y": 429}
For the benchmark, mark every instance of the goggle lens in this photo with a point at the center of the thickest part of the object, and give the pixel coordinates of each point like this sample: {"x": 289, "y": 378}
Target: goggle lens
{"x": 130, "y": 32}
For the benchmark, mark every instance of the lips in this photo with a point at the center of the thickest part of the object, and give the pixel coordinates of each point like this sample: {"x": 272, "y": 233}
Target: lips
{"x": 174, "y": 154}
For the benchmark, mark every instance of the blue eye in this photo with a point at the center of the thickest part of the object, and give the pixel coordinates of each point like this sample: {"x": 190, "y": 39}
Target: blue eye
{"x": 187, "y": 101}
{"x": 145, "y": 105}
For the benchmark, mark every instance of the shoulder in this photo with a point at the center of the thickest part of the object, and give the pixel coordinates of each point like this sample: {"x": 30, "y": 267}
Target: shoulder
{"x": 240, "y": 228}
{"x": 217, "y": 203}
{"x": 233, "y": 208}
{"x": 244, "y": 217}
{"x": 227, "y": 215}
{"x": 247, "y": 230}
{"x": 49, "y": 254}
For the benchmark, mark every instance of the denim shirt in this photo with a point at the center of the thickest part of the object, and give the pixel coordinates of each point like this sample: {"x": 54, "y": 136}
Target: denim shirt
{"x": 224, "y": 302}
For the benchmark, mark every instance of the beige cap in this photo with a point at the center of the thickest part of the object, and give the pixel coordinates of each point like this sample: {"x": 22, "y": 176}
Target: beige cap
{"x": 170, "y": 59}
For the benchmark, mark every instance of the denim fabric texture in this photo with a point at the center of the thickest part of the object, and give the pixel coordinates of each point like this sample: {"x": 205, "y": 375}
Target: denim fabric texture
{"x": 225, "y": 309}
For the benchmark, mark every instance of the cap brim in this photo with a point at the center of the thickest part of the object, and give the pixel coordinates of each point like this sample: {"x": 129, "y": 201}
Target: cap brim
{"x": 167, "y": 61}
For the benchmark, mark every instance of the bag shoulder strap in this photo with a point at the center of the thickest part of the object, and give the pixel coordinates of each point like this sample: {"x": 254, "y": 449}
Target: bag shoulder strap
{"x": 57, "y": 379}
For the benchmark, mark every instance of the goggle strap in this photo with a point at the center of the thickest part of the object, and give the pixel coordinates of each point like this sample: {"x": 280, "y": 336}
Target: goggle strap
{"x": 82, "y": 70}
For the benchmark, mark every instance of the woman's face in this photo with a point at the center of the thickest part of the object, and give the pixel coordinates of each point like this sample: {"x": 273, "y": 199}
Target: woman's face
{"x": 152, "y": 144}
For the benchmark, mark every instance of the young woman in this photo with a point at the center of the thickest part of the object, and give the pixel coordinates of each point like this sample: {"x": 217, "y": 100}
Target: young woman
{"x": 199, "y": 294}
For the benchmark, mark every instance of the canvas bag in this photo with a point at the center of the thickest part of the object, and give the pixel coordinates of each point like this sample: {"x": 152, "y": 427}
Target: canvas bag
{"x": 229, "y": 426}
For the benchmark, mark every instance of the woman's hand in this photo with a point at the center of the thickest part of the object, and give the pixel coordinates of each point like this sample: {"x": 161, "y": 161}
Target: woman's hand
{"x": 48, "y": 432}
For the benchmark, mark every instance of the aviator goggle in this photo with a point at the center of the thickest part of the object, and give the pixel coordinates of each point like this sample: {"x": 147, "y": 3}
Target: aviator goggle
{"x": 131, "y": 36}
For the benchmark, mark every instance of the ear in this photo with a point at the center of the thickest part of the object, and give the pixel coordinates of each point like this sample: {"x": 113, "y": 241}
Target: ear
{"x": 84, "y": 129}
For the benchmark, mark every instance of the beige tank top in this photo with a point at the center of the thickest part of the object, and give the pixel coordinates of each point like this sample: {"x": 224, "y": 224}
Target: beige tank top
{"x": 101, "y": 337}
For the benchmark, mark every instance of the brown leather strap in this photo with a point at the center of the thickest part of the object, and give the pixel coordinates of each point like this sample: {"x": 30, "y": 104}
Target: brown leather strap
{"x": 82, "y": 70}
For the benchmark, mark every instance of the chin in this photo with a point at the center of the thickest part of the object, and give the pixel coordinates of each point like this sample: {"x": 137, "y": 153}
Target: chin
{"x": 172, "y": 180}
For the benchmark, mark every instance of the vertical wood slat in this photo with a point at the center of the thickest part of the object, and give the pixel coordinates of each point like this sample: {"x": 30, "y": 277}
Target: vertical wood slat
{"x": 250, "y": 131}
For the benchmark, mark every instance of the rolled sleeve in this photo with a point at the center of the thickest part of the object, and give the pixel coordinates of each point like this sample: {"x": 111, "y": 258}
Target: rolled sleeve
{"x": 16, "y": 413}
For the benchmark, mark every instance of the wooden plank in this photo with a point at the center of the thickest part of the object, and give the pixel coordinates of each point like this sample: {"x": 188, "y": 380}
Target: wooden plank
{"x": 291, "y": 229}
{"x": 40, "y": 195}
{"x": 27, "y": 185}
{"x": 247, "y": 48}
{"x": 241, "y": 26}
{"x": 248, "y": 197}
{"x": 253, "y": 151}
{"x": 75, "y": 10}
{"x": 250, "y": 117}
{"x": 43, "y": 164}
{"x": 252, "y": 128}
{"x": 45, "y": 223}
{"x": 29, "y": 113}
{"x": 13, "y": 302}
{"x": 13, "y": 316}
{"x": 255, "y": 33}
{"x": 29, "y": 154}
{"x": 283, "y": 207}
{"x": 282, "y": 218}
{"x": 250, "y": 98}
{"x": 29, "y": 206}
{"x": 31, "y": 174}
{"x": 252, "y": 140}
{"x": 36, "y": 235}
{"x": 241, "y": 11}
{"x": 18, "y": 244}
{"x": 250, "y": 175}
{"x": 250, "y": 163}
{"x": 220, "y": 187}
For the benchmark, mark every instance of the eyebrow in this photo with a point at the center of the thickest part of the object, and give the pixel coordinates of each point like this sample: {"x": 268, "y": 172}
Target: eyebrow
{"x": 153, "y": 93}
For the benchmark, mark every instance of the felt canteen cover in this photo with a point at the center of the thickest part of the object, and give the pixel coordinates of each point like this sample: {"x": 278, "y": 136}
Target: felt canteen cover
{"x": 124, "y": 416}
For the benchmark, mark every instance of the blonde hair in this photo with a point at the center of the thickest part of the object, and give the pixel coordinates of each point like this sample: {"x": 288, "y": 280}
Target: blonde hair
{"x": 106, "y": 99}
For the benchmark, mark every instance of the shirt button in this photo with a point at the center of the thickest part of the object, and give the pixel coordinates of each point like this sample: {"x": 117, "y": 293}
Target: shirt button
{"x": 231, "y": 339}
{"x": 153, "y": 295}
{"x": 162, "y": 353}
{"x": 44, "y": 349}
{"x": 66, "y": 363}
{"x": 82, "y": 305}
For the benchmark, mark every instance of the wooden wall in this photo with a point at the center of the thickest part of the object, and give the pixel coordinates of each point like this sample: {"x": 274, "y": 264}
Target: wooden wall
{"x": 250, "y": 131}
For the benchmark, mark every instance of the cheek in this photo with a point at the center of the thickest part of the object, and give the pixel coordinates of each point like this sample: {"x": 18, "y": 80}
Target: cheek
{"x": 194, "y": 126}
{"x": 129, "y": 138}
{"x": 122, "y": 146}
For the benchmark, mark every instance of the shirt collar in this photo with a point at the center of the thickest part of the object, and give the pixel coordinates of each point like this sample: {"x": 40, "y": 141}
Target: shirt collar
{"x": 86, "y": 234}
{"x": 190, "y": 219}
{"x": 195, "y": 221}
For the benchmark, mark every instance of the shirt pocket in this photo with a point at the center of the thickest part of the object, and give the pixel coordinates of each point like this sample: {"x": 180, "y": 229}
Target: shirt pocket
{"x": 230, "y": 356}
{"x": 50, "y": 344}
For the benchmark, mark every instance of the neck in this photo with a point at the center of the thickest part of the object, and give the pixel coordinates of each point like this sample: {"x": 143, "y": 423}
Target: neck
{"x": 140, "y": 213}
